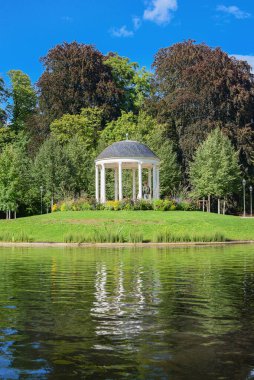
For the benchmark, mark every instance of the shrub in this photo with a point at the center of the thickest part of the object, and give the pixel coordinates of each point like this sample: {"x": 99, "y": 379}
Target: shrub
{"x": 63, "y": 207}
{"x": 83, "y": 204}
{"x": 55, "y": 208}
{"x": 86, "y": 206}
{"x": 187, "y": 205}
{"x": 112, "y": 205}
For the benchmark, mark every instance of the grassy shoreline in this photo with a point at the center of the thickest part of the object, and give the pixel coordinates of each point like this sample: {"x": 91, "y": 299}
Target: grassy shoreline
{"x": 128, "y": 226}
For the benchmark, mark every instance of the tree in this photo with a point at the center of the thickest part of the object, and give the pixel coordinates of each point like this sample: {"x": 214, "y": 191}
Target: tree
{"x": 135, "y": 127}
{"x": 201, "y": 88}
{"x": 81, "y": 164}
{"x": 15, "y": 177}
{"x": 215, "y": 170}
{"x": 75, "y": 77}
{"x": 86, "y": 126}
{"x": 51, "y": 170}
{"x": 170, "y": 172}
{"x": 3, "y": 96}
{"x": 134, "y": 81}
{"x": 24, "y": 98}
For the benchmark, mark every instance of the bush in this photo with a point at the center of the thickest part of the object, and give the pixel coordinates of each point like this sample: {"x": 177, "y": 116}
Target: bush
{"x": 83, "y": 204}
{"x": 187, "y": 206}
{"x": 55, "y": 208}
{"x": 112, "y": 205}
{"x": 63, "y": 207}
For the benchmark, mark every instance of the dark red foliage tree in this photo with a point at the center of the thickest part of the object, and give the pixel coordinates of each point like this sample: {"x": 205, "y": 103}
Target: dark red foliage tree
{"x": 75, "y": 76}
{"x": 201, "y": 88}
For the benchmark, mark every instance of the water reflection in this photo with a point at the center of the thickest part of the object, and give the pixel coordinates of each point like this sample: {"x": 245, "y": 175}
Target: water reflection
{"x": 180, "y": 314}
{"x": 120, "y": 301}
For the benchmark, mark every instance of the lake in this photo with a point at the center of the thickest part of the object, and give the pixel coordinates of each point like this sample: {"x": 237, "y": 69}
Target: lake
{"x": 127, "y": 314}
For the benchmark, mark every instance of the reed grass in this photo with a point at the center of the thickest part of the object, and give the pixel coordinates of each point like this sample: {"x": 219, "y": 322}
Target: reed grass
{"x": 19, "y": 236}
{"x": 167, "y": 236}
{"x": 135, "y": 237}
{"x": 97, "y": 236}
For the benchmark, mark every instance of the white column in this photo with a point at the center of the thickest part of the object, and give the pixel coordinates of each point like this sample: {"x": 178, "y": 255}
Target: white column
{"x": 158, "y": 182}
{"x": 120, "y": 181}
{"x": 103, "y": 187}
{"x": 116, "y": 184}
{"x": 140, "y": 180}
{"x": 154, "y": 183}
{"x": 134, "y": 184}
{"x": 97, "y": 190}
{"x": 150, "y": 182}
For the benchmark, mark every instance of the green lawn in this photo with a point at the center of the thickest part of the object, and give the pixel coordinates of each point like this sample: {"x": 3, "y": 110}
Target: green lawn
{"x": 55, "y": 227}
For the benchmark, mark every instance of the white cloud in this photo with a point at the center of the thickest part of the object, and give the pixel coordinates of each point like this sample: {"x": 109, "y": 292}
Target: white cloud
{"x": 136, "y": 22}
{"x": 248, "y": 58}
{"x": 121, "y": 32}
{"x": 160, "y": 11}
{"x": 234, "y": 11}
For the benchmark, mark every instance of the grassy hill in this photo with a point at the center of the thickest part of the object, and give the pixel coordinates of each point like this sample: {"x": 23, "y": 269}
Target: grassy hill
{"x": 132, "y": 226}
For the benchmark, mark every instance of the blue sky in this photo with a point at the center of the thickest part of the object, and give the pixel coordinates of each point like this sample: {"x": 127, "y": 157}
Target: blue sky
{"x": 133, "y": 28}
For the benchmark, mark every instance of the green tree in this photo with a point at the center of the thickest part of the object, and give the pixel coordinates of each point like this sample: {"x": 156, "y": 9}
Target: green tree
{"x": 24, "y": 98}
{"x": 86, "y": 126}
{"x": 135, "y": 127}
{"x": 170, "y": 171}
{"x": 15, "y": 177}
{"x": 215, "y": 170}
{"x": 81, "y": 164}
{"x": 135, "y": 82}
{"x": 51, "y": 170}
{"x": 3, "y": 96}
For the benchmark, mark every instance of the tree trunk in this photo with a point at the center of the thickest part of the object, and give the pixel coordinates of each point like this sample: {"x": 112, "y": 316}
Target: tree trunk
{"x": 224, "y": 207}
{"x": 203, "y": 204}
{"x": 15, "y": 214}
{"x": 209, "y": 203}
{"x": 218, "y": 205}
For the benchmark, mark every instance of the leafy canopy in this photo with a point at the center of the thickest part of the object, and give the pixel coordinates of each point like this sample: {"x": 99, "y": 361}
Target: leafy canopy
{"x": 24, "y": 98}
{"x": 215, "y": 169}
{"x": 85, "y": 126}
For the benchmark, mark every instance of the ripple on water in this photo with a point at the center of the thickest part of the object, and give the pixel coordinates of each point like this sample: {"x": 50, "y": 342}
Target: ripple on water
{"x": 143, "y": 314}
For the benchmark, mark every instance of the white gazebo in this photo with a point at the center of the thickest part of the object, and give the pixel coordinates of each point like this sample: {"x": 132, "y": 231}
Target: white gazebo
{"x": 130, "y": 155}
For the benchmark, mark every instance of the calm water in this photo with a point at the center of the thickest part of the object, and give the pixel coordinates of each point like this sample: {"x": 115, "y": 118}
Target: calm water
{"x": 121, "y": 314}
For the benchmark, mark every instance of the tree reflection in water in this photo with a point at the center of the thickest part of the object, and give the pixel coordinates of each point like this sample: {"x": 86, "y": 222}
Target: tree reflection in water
{"x": 127, "y": 314}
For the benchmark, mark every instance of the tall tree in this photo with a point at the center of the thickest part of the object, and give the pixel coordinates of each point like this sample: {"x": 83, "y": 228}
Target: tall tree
{"x": 86, "y": 126}
{"x": 81, "y": 167}
{"x": 134, "y": 81}
{"x": 215, "y": 170}
{"x": 15, "y": 177}
{"x": 201, "y": 88}
{"x": 135, "y": 127}
{"x": 3, "y": 95}
{"x": 51, "y": 171}
{"x": 24, "y": 98}
{"x": 170, "y": 171}
{"x": 75, "y": 77}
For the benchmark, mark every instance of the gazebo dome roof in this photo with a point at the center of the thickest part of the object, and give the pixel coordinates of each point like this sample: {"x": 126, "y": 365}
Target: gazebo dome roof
{"x": 127, "y": 149}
